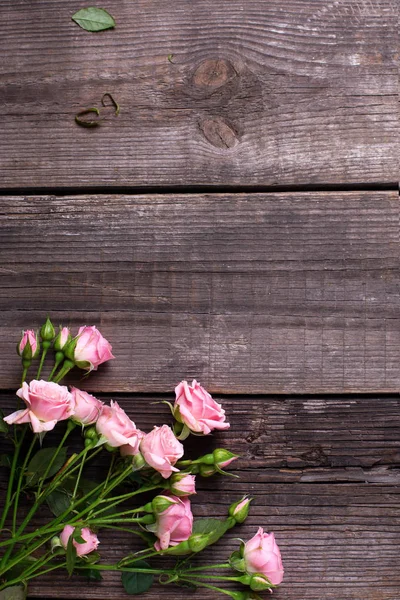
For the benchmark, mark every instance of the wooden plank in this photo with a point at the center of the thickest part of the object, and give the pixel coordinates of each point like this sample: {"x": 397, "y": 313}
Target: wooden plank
{"x": 285, "y": 293}
{"x": 337, "y": 541}
{"x": 324, "y": 476}
{"x": 310, "y": 439}
{"x": 257, "y": 93}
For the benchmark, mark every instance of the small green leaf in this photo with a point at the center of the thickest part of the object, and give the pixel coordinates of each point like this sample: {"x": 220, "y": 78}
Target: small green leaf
{"x": 71, "y": 555}
{"x": 38, "y": 465}
{"x": 92, "y": 574}
{"x": 5, "y": 461}
{"x": 15, "y": 592}
{"x": 59, "y": 501}
{"x": 170, "y": 57}
{"x": 3, "y": 424}
{"x": 137, "y": 583}
{"x": 93, "y": 19}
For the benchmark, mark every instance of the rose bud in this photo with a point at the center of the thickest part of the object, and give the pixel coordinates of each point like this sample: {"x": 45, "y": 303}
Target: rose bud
{"x": 195, "y": 408}
{"x": 29, "y": 346}
{"x": 91, "y": 540}
{"x": 223, "y": 458}
{"x": 182, "y": 484}
{"x": 89, "y": 349}
{"x": 174, "y": 524}
{"x": 161, "y": 450}
{"x": 63, "y": 339}
{"x": 87, "y": 408}
{"x": 117, "y": 429}
{"x": 47, "y": 333}
{"x": 240, "y": 510}
{"x": 259, "y": 583}
{"x": 262, "y": 556}
{"x": 46, "y": 404}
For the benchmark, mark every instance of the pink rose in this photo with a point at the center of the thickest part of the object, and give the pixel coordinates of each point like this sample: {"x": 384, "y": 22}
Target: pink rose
{"x": 117, "y": 428}
{"x": 182, "y": 484}
{"x": 28, "y": 336}
{"x": 174, "y": 524}
{"x": 261, "y": 555}
{"x": 91, "y": 349}
{"x": 46, "y": 404}
{"x": 87, "y": 408}
{"x": 161, "y": 450}
{"x": 91, "y": 540}
{"x": 197, "y": 410}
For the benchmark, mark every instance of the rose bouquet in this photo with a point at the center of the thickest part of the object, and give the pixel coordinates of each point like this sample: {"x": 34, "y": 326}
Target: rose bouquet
{"x": 145, "y": 490}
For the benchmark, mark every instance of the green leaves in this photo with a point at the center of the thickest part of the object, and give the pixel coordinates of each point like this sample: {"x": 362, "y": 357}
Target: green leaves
{"x": 59, "y": 501}
{"x": 93, "y": 19}
{"x": 3, "y": 424}
{"x": 38, "y": 465}
{"x": 15, "y": 592}
{"x": 137, "y": 583}
{"x": 215, "y": 528}
{"x": 71, "y": 555}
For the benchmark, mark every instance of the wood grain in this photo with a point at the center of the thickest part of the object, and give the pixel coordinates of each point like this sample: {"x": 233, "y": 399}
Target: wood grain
{"x": 323, "y": 472}
{"x": 260, "y": 293}
{"x": 257, "y": 93}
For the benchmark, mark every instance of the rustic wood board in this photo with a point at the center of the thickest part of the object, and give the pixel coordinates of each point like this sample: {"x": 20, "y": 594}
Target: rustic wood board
{"x": 327, "y": 482}
{"x": 249, "y": 293}
{"x": 259, "y": 93}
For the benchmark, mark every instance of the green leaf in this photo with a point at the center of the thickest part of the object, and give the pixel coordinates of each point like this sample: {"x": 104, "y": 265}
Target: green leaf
{"x": 71, "y": 555}
{"x": 15, "y": 592}
{"x": 3, "y": 424}
{"x": 59, "y": 501}
{"x": 215, "y": 526}
{"x": 92, "y": 574}
{"x": 93, "y": 19}
{"x": 38, "y": 465}
{"x": 137, "y": 583}
{"x": 5, "y": 461}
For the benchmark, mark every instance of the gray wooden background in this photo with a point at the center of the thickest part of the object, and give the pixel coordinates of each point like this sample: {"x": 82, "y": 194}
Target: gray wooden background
{"x": 238, "y": 223}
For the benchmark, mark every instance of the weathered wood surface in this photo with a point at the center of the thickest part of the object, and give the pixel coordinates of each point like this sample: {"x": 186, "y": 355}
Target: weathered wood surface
{"x": 326, "y": 481}
{"x": 257, "y": 93}
{"x": 259, "y": 293}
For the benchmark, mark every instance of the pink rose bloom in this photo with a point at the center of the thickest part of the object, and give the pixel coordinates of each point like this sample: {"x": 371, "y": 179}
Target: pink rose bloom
{"x": 161, "y": 450}
{"x": 197, "y": 410}
{"x": 91, "y": 349}
{"x": 117, "y": 428}
{"x": 28, "y": 336}
{"x": 91, "y": 540}
{"x": 87, "y": 408}
{"x": 183, "y": 484}
{"x": 261, "y": 555}
{"x": 174, "y": 524}
{"x": 46, "y": 404}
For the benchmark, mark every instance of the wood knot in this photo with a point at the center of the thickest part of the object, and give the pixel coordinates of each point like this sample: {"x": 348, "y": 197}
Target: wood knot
{"x": 219, "y": 132}
{"x": 213, "y": 73}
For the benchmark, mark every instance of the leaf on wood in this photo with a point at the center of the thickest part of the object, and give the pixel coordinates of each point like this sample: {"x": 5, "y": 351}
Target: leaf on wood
{"x": 38, "y": 464}
{"x": 15, "y": 592}
{"x": 93, "y": 19}
{"x": 137, "y": 583}
{"x": 92, "y": 574}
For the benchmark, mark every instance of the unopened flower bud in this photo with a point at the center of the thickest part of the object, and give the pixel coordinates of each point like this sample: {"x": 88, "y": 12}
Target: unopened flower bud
{"x": 207, "y": 470}
{"x": 223, "y": 458}
{"x": 182, "y": 484}
{"x": 29, "y": 347}
{"x": 138, "y": 461}
{"x": 63, "y": 338}
{"x": 259, "y": 583}
{"x": 55, "y": 543}
{"x": 91, "y": 433}
{"x": 240, "y": 510}
{"x": 161, "y": 503}
{"x": 198, "y": 541}
{"x": 47, "y": 332}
